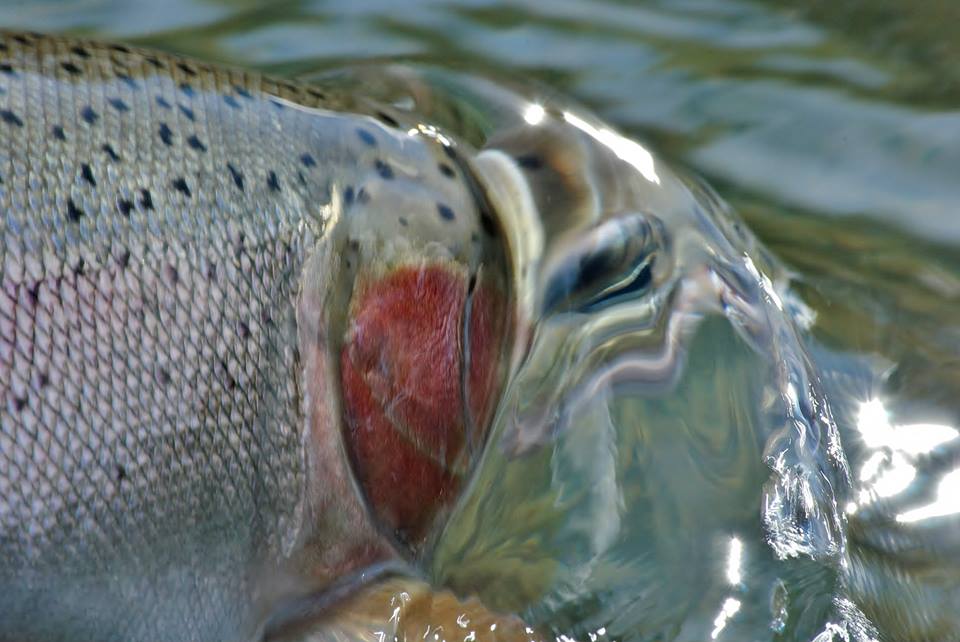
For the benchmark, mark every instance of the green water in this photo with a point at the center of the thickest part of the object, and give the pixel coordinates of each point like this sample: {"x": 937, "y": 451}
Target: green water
{"x": 833, "y": 129}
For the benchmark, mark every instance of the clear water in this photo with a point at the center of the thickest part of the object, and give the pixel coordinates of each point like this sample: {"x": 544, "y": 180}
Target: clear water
{"x": 667, "y": 462}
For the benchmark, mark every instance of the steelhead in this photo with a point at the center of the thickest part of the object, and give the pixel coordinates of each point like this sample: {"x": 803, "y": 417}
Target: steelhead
{"x": 251, "y": 336}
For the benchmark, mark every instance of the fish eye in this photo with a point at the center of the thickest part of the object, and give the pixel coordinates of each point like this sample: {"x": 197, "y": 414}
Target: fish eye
{"x": 611, "y": 263}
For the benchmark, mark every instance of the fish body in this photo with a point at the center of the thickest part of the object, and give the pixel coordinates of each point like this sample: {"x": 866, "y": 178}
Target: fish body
{"x": 173, "y": 293}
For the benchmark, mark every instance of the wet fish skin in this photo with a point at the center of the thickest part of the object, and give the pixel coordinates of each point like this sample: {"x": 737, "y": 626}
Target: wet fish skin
{"x": 168, "y": 464}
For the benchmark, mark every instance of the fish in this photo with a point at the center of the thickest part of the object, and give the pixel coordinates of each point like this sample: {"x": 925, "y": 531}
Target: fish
{"x": 281, "y": 360}
{"x": 252, "y": 333}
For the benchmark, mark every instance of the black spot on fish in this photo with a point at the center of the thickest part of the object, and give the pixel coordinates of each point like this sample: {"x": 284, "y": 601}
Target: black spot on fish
{"x": 212, "y": 271}
{"x": 384, "y": 170}
{"x": 230, "y": 382}
{"x": 19, "y": 403}
{"x": 450, "y": 152}
{"x": 108, "y": 149}
{"x": 171, "y": 274}
{"x": 240, "y": 248}
{"x": 236, "y": 175}
{"x": 363, "y": 196}
{"x": 186, "y": 111}
{"x": 58, "y": 132}
{"x": 276, "y": 103}
{"x": 118, "y": 104}
{"x": 87, "y": 174}
{"x": 124, "y": 206}
{"x": 73, "y": 212}
{"x": 146, "y": 201}
{"x": 348, "y": 195}
{"x": 153, "y": 60}
{"x": 474, "y": 237}
{"x": 71, "y": 68}
{"x": 124, "y": 259}
{"x": 403, "y": 221}
{"x": 33, "y": 293}
{"x": 10, "y": 118}
{"x": 80, "y": 51}
{"x": 88, "y": 115}
{"x": 301, "y": 178}
{"x": 530, "y": 161}
{"x": 120, "y": 48}
{"x": 308, "y": 161}
{"x": 293, "y": 89}
{"x": 231, "y": 101}
{"x": 128, "y": 81}
{"x": 163, "y": 102}
{"x": 243, "y": 329}
{"x": 163, "y": 377}
{"x": 196, "y": 143}
{"x": 7, "y": 69}
{"x": 272, "y": 182}
{"x": 23, "y": 40}
{"x": 121, "y": 474}
{"x": 180, "y": 184}
{"x": 387, "y": 118}
{"x": 445, "y": 212}
{"x": 166, "y": 135}
{"x": 80, "y": 268}
{"x": 242, "y": 92}
{"x": 319, "y": 95}
{"x": 366, "y": 137}
{"x": 446, "y": 170}
{"x": 43, "y": 380}
{"x": 187, "y": 69}
{"x": 187, "y": 89}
